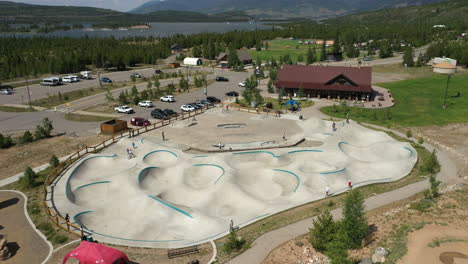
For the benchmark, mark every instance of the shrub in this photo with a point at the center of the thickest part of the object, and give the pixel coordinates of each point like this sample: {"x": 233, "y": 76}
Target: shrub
{"x": 420, "y": 140}
{"x": 28, "y": 179}
{"x": 26, "y": 138}
{"x": 409, "y": 133}
{"x": 234, "y": 243}
{"x": 54, "y": 161}
{"x": 354, "y": 220}
{"x": 323, "y": 232}
{"x": 6, "y": 141}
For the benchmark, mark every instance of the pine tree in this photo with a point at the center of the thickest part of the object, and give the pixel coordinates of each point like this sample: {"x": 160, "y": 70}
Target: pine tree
{"x": 149, "y": 85}
{"x": 134, "y": 91}
{"x": 323, "y": 51}
{"x": 337, "y": 248}
{"x": 27, "y": 137}
{"x": 434, "y": 185}
{"x": 355, "y": 222}
{"x": 157, "y": 84}
{"x": 408, "y": 57}
{"x": 109, "y": 97}
{"x": 270, "y": 86}
{"x": 28, "y": 179}
{"x": 323, "y": 232}
{"x": 123, "y": 98}
{"x": 233, "y": 59}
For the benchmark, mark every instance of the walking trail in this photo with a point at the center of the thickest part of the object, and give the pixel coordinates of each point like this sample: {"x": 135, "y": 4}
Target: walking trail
{"x": 264, "y": 244}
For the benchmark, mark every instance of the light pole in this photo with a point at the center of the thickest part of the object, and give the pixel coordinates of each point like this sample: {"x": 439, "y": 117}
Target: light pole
{"x": 29, "y": 93}
{"x": 446, "y": 91}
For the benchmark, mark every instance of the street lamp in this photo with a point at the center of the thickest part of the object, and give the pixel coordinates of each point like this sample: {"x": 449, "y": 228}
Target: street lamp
{"x": 446, "y": 91}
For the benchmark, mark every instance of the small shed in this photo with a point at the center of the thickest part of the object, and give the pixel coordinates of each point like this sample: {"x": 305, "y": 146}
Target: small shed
{"x": 174, "y": 65}
{"x": 113, "y": 126}
{"x": 176, "y": 48}
{"x": 193, "y": 61}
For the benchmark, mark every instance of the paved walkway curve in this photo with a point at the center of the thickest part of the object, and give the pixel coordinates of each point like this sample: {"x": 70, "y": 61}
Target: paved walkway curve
{"x": 264, "y": 244}
{"x": 31, "y": 243}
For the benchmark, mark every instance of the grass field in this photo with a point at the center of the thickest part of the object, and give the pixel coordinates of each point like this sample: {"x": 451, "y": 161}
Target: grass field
{"x": 418, "y": 102}
{"x": 282, "y": 47}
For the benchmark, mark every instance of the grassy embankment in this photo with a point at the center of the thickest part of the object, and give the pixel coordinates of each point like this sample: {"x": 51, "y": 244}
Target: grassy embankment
{"x": 418, "y": 102}
{"x": 277, "y": 48}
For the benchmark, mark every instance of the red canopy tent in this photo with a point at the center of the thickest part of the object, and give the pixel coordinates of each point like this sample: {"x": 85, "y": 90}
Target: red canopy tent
{"x": 92, "y": 253}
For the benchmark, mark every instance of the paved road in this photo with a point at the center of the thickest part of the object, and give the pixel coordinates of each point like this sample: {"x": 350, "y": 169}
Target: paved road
{"x": 38, "y": 91}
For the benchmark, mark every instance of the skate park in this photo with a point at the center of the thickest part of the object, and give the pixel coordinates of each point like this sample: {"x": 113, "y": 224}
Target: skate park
{"x": 186, "y": 190}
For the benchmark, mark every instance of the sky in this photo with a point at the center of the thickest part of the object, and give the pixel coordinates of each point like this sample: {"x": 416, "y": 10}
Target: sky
{"x": 119, "y": 5}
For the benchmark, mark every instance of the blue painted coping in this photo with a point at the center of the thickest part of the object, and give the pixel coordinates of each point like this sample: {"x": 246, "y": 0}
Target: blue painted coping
{"x": 341, "y": 143}
{"x": 67, "y": 185}
{"x": 170, "y": 206}
{"x": 410, "y": 150}
{"x": 82, "y": 186}
{"x": 295, "y": 175}
{"x": 200, "y": 157}
{"x": 141, "y": 140}
{"x": 331, "y": 172}
{"x": 213, "y": 165}
{"x": 254, "y": 152}
{"x": 79, "y": 214}
{"x": 305, "y": 150}
{"x": 330, "y": 134}
{"x": 168, "y": 151}
{"x": 139, "y": 174}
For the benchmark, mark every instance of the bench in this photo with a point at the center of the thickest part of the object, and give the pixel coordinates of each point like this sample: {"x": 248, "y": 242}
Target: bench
{"x": 371, "y": 236}
{"x": 179, "y": 252}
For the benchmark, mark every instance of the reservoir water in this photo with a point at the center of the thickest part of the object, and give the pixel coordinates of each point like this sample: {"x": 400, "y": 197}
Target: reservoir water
{"x": 157, "y": 29}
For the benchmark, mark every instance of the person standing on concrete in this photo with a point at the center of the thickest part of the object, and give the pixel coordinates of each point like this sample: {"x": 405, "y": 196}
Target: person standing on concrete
{"x": 347, "y": 118}
{"x": 284, "y": 136}
{"x": 334, "y": 127}
{"x": 350, "y": 184}
{"x": 327, "y": 190}
{"x": 134, "y": 145}
{"x": 163, "y": 136}
{"x": 67, "y": 217}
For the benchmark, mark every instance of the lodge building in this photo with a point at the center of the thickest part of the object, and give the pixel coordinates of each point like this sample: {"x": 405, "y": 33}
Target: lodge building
{"x": 338, "y": 82}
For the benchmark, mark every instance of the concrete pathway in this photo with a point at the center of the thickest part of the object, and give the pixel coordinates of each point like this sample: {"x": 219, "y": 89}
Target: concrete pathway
{"x": 16, "y": 177}
{"x": 264, "y": 244}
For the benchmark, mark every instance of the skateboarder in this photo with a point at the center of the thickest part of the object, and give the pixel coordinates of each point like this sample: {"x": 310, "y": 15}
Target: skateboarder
{"x": 327, "y": 190}
{"x": 163, "y": 136}
{"x": 350, "y": 184}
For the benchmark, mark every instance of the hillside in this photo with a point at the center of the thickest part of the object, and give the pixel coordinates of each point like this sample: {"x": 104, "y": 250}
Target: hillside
{"x": 277, "y": 8}
{"x": 13, "y": 12}
{"x": 452, "y": 12}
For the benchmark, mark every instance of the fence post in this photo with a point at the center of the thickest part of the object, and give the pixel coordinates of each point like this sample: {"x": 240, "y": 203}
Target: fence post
{"x": 68, "y": 227}
{"x": 81, "y": 229}
{"x": 56, "y": 219}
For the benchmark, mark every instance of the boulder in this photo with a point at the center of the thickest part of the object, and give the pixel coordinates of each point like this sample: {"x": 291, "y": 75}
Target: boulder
{"x": 4, "y": 251}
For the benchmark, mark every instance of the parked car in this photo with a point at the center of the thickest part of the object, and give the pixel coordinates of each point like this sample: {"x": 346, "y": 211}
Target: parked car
{"x": 213, "y": 99}
{"x": 137, "y": 75}
{"x": 187, "y": 108}
{"x": 158, "y": 71}
{"x": 367, "y": 59}
{"x": 168, "y": 98}
{"x": 6, "y": 91}
{"x": 232, "y": 94}
{"x": 242, "y": 84}
{"x": 170, "y": 112}
{"x": 139, "y": 121}
{"x": 50, "y": 81}
{"x": 199, "y": 104}
{"x": 86, "y": 75}
{"x": 158, "y": 114}
{"x": 124, "y": 109}
{"x": 195, "y": 106}
{"x": 146, "y": 104}
{"x": 205, "y": 102}
{"x": 106, "y": 80}
{"x": 222, "y": 79}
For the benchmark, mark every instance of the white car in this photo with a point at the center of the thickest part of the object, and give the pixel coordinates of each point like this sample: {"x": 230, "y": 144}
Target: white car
{"x": 242, "y": 84}
{"x": 146, "y": 104}
{"x": 168, "y": 98}
{"x": 187, "y": 108}
{"x": 124, "y": 109}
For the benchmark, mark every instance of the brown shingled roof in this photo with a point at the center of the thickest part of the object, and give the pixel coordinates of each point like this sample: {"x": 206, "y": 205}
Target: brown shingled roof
{"x": 317, "y": 77}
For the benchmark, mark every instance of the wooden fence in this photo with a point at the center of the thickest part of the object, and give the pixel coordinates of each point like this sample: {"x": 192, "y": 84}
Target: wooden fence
{"x": 63, "y": 166}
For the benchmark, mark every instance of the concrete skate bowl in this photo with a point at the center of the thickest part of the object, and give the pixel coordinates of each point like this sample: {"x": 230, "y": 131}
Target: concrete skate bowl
{"x": 389, "y": 151}
{"x": 161, "y": 158}
{"x": 268, "y": 184}
{"x": 249, "y": 159}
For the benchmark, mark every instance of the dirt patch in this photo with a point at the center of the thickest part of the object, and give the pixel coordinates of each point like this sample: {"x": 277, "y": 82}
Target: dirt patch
{"x": 23, "y": 241}
{"x": 298, "y": 250}
{"x": 420, "y": 251}
{"x": 145, "y": 255}
{"x": 16, "y": 159}
{"x": 452, "y": 139}
{"x": 102, "y": 108}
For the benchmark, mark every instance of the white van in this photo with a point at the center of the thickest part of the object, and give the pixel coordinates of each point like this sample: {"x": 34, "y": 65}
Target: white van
{"x": 67, "y": 79}
{"x": 75, "y": 78}
{"x": 86, "y": 75}
{"x": 50, "y": 82}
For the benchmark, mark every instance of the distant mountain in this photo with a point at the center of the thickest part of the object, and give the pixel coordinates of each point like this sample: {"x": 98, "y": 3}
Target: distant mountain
{"x": 277, "y": 8}
{"x": 14, "y": 12}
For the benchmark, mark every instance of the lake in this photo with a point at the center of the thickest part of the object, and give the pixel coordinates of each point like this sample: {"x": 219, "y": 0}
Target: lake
{"x": 157, "y": 29}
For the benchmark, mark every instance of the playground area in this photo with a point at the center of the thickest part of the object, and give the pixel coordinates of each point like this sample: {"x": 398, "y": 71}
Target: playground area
{"x": 170, "y": 196}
